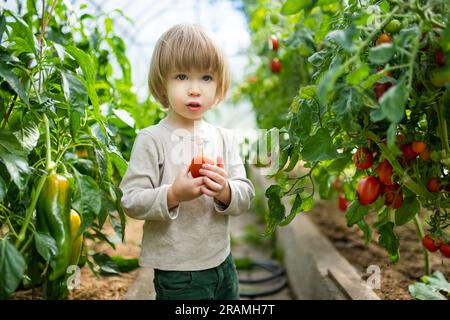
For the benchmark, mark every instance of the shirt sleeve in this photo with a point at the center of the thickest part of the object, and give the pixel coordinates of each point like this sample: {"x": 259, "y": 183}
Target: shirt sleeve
{"x": 242, "y": 189}
{"x": 142, "y": 196}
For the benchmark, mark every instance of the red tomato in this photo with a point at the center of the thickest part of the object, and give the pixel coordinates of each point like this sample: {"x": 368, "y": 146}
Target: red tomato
{"x": 273, "y": 43}
{"x": 367, "y": 190}
{"x": 445, "y": 250}
{"x": 439, "y": 57}
{"x": 427, "y": 43}
{"x": 383, "y": 38}
{"x": 196, "y": 165}
{"x": 384, "y": 171}
{"x": 418, "y": 146}
{"x": 391, "y": 196}
{"x": 342, "y": 203}
{"x": 363, "y": 159}
{"x": 434, "y": 185}
{"x": 275, "y": 65}
{"x": 408, "y": 151}
{"x": 430, "y": 244}
{"x": 381, "y": 88}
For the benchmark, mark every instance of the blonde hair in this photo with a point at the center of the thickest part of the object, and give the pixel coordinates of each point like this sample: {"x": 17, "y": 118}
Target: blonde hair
{"x": 186, "y": 47}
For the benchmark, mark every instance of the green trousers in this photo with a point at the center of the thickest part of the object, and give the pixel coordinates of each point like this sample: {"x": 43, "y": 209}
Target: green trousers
{"x": 219, "y": 283}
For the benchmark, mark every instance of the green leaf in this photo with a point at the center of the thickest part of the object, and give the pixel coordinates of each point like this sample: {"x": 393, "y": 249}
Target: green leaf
{"x": 421, "y": 291}
{"x": 86, "y": 64}
{"x": 10, "y": 77}
{"x": 393, "y": 102}
{"x": 3, "y": 189}
{"x": 77, "y": 99}
{"x": 358, "y": 74}
{"x": 12, "y": 267}
{"x": 28, "y": 134}
{"x": 106, "y": 264}
{"x": 327, "y": 83}
{"x": 293, "y": 158}
{"x": 276, "y": 212}
{"x": 347, "y": 107}
{"x": 307, "y": 92}
{"x": 294, "y": 6}
{"x": 355, "y": 213}
{"x": 22, "y": 37}
{"x": 381, "y": 54}
{"x": 296, "y": 207}
{"x": 125, "y": 265}
{"x": 12, "y": 156}
{"x": 339, "y": 164}
{"x": 407, "y": 211}
{"x": 87, "y": 199}
{"x": 389, "y": 240}
{"x": 319, "y": 147}
{"x": 365, "y": 228}
{"x": 45, "y": 245}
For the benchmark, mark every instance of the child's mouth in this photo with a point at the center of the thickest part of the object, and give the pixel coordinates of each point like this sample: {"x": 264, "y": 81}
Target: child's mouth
{"x": 194, "y": 106}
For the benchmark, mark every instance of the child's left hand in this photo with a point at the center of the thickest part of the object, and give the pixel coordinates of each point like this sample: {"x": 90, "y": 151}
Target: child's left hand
{"x": 215, "y": 180}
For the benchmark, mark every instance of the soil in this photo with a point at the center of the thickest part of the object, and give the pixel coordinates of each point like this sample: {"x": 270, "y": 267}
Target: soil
{"x": 395, "y": 278}
{"x": 94, "y": 287}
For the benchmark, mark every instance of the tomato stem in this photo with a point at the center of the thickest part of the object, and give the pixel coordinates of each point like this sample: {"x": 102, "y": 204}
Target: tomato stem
{"x": 443, "y": 133}
{"x": 420, "y": 233}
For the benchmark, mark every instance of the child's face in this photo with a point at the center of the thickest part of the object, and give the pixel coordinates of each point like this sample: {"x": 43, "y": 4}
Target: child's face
{"x": 191, "y": 93}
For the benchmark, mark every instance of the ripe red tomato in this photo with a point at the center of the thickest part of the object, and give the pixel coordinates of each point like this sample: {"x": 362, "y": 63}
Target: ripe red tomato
{"x": 383, "y": 38}
{"x": 390, "y": 195}
{"x": 439, "y": 57}
{"x": 445, "y": 250}
{"x": 418, "y": 146}
{"x": 434, "y": 185}
{"x": 384, "y": 171}
{"x": 381, "y": 88}
{"x": 273, "y": 43}
{"x": 430, "y": 244}
{"x": 363, "y": 159}
{"x": 342, "y": 203}
{"x": 408, "y": 151}
{"x": 275, "y": 65}
{"x": 196, "y": 165}
{"x": 367, "y": 190}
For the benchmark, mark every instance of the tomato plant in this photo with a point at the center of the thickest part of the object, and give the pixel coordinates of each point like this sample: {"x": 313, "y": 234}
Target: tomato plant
{"x": 378, "y": 81}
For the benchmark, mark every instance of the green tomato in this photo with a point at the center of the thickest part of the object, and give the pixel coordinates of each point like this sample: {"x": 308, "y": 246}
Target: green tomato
{"x": 440, "y": 78}
{"x": 435, "y": 155}
{"x": 393, "y": 26}
{"x": 274, "y": 18}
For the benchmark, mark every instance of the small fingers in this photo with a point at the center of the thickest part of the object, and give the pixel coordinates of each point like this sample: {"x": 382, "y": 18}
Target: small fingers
{"x": 218, "y": 170}
{"x": 208, "y": 192}
{"x": 212, "y": 185}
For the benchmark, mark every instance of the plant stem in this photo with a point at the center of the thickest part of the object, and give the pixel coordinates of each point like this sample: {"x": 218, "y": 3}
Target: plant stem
{"x": 9, "y": 111}
{"x": 443, "y": 133}
{"x": 41, "y": 182}
{"x": 425, "y": 252}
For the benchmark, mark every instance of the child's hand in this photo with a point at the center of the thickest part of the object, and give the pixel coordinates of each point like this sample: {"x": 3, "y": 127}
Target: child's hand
{"x": 215, "y": 181}
{"x": 184, "y": 188}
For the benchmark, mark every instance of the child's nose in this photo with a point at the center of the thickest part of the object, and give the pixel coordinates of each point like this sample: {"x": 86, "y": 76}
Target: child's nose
{"x": 194, "y": 91}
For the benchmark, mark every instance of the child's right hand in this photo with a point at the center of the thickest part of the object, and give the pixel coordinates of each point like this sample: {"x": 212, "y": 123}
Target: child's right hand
{"x": 184, "y": 188}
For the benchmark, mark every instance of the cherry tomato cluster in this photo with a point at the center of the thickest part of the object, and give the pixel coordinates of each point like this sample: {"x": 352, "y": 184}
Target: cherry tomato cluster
{"x": 433, "y": 245}
{"x": 275, "y": 63}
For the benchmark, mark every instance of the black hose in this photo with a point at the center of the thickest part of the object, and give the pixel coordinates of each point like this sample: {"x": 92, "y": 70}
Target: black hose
{"x": 276, "y": 272}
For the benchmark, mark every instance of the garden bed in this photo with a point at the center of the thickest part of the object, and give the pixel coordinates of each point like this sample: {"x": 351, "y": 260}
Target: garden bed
{"x": 111, "y": 287}
{"x": 350, "y": 244}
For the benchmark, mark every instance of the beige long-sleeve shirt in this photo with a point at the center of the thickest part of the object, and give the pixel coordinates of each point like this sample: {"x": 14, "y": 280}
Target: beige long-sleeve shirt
{"x": 195, "y": 235}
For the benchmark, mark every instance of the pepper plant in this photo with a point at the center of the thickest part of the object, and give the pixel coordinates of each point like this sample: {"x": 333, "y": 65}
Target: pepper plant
{"x": 371, "y": 123}
{"x": 65, "y": 135}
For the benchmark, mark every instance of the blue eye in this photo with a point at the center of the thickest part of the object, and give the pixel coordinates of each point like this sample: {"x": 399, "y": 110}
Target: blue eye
{"x": 181, "y": 77}
{"x": 207, "y": 78}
